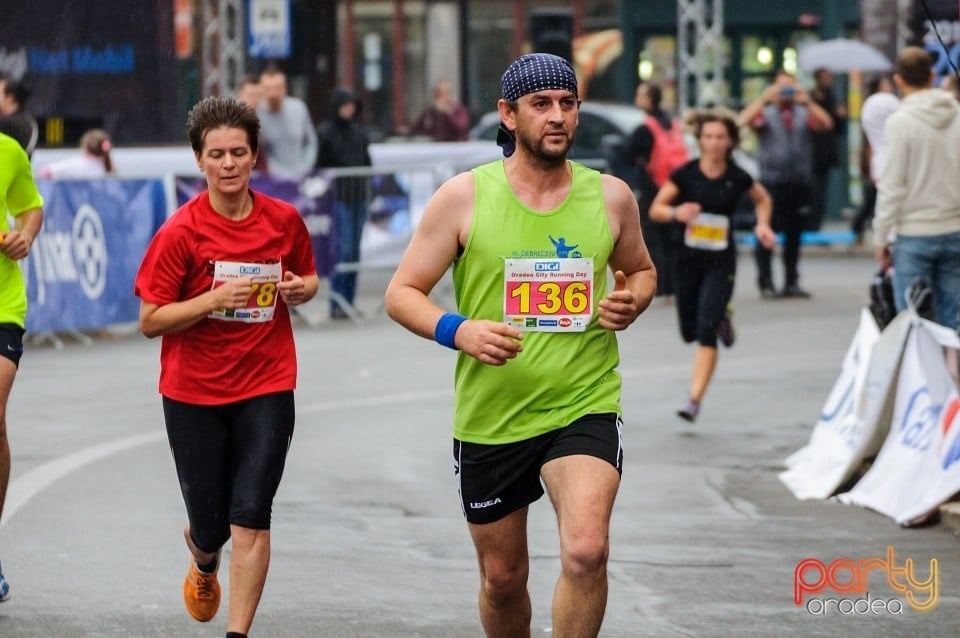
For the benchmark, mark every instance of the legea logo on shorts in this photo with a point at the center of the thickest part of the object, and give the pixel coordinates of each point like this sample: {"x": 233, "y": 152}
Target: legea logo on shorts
{"x": 484, "y": 504}
{"x": 847, "y": 576}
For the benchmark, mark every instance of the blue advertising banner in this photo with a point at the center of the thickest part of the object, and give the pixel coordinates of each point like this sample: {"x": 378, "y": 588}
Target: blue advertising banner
{"x": 82, "y": 265}
{"x": 313, "y": 197}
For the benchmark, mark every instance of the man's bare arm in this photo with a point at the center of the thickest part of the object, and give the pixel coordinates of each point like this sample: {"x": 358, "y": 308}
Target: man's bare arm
{"x": 442, "y": 230}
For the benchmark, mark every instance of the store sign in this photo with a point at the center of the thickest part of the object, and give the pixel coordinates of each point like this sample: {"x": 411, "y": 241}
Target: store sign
{"x": 269, "y": 33}
{"x": 99, "y": 62}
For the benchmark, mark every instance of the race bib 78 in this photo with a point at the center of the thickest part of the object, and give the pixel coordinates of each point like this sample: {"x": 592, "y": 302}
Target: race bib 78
{"x": 262, "y": 301}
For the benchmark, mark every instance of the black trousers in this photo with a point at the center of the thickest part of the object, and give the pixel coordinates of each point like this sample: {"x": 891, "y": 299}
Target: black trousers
{"x": 819, "y": 187}
{"x": 865, "y": 214}
{"x": 789, "y": 205}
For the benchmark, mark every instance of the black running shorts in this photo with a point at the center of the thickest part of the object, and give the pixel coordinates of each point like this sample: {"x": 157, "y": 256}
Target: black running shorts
{"x": 496, "y": 480}
{"x": 229, "y": 460}
{"x": 11, "y": 342}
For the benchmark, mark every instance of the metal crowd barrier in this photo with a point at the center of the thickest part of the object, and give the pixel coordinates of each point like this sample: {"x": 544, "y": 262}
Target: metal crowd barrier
{"x": 375, "y": 212}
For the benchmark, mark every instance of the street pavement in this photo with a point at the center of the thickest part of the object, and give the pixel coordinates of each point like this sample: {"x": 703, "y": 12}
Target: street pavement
{"x": 368, "y": 538}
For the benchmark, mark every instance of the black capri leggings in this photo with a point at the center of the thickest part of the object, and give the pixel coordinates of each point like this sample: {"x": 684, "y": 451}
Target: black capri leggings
{"x": 704, "y": 286}
{"x": 229, "y": 461}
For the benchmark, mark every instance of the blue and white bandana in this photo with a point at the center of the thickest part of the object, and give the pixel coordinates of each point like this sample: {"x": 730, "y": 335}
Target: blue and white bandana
{"x": 537, "y": 72}
{"x": 528, "y": 74}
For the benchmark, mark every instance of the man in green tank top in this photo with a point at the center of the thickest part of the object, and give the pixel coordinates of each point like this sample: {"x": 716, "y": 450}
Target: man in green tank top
{"x": 537, "y": 393}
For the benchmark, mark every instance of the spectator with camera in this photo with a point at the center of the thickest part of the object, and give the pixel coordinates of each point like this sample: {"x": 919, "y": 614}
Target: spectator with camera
{"x": 783, "y": 117}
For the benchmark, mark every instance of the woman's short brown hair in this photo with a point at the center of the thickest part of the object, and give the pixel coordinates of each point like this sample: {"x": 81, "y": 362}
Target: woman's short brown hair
{"x": 214, "y": 112}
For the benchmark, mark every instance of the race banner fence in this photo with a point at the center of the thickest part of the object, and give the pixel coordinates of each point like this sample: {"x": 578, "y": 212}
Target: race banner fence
{"x": 81, "y": 267}
{"x": 844, "y": 435}
{"x": 916, "y": 469}
{"x": 888, "y": 437}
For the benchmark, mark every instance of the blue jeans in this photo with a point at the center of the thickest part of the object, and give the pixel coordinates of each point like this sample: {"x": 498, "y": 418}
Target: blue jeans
{"x": 348, "y": 226}
{"x": 936, "y": 259}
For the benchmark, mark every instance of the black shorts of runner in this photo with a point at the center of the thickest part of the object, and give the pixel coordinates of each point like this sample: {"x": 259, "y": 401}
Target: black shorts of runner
{"x": 11, "y": 342}
{"x": 703, "y": 283}
{"x": 229, "y": 461}
{"x": 496, "y": 480}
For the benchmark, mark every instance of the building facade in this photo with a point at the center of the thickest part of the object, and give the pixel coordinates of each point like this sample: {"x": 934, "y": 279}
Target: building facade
{"x": 138, "y": 77}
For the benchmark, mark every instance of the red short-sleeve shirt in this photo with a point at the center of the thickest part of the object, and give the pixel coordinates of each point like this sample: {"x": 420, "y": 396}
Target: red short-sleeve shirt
{"x": 214, "y": 361}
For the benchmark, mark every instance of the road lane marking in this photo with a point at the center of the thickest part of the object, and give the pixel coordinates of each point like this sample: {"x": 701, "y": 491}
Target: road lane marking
{"x": 24, "y": 488}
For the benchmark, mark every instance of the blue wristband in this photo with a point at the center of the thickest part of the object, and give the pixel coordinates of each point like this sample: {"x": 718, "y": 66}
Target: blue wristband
{"x": 447, "y": 328}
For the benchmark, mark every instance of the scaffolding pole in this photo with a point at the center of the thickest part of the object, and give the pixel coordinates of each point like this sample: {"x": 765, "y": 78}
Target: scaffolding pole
{"x": 223, "y": 46}
{"x": 700, "y": 53}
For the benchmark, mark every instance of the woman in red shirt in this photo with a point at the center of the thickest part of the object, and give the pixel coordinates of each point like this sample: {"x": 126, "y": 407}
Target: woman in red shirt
{"x": 216, "y": 283}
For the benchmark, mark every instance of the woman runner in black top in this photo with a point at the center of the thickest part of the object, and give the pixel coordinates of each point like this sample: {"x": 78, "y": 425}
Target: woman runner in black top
{"x": 703, "y": 195}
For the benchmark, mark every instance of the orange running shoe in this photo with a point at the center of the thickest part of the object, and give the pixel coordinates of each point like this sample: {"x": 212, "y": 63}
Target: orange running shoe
{"x": 201, "y": 593}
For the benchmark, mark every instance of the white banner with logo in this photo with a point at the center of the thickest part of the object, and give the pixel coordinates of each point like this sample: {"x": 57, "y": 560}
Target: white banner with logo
{"x": 847, "y": 430}
{"x": 917, "y": 468}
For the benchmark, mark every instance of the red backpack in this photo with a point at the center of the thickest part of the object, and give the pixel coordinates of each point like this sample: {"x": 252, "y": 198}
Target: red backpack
{"x": 669, "y": 150}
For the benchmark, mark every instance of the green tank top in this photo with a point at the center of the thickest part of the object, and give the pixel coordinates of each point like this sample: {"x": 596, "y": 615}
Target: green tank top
{"x": 558, "y": 376}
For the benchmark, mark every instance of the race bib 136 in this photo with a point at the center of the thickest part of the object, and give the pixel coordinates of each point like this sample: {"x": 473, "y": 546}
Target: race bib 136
{"x": 548, "y": 295}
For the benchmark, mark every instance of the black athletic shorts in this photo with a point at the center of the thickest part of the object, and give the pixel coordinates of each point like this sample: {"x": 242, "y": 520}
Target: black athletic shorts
{"x": 496, "y": 480}
{"x": 229, "y": 460}
{"x": 11, "y": 342}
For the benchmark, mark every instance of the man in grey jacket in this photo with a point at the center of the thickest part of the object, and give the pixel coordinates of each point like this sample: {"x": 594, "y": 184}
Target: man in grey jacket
{"x": 784, "y": 117}
{"x": 916, "y": 226}
{"x": 288, "y": 137}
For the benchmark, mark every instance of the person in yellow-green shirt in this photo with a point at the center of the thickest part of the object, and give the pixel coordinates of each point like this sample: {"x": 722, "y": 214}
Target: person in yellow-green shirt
{"x": 20, "y": 198}
{"x": 532, "y": 239}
